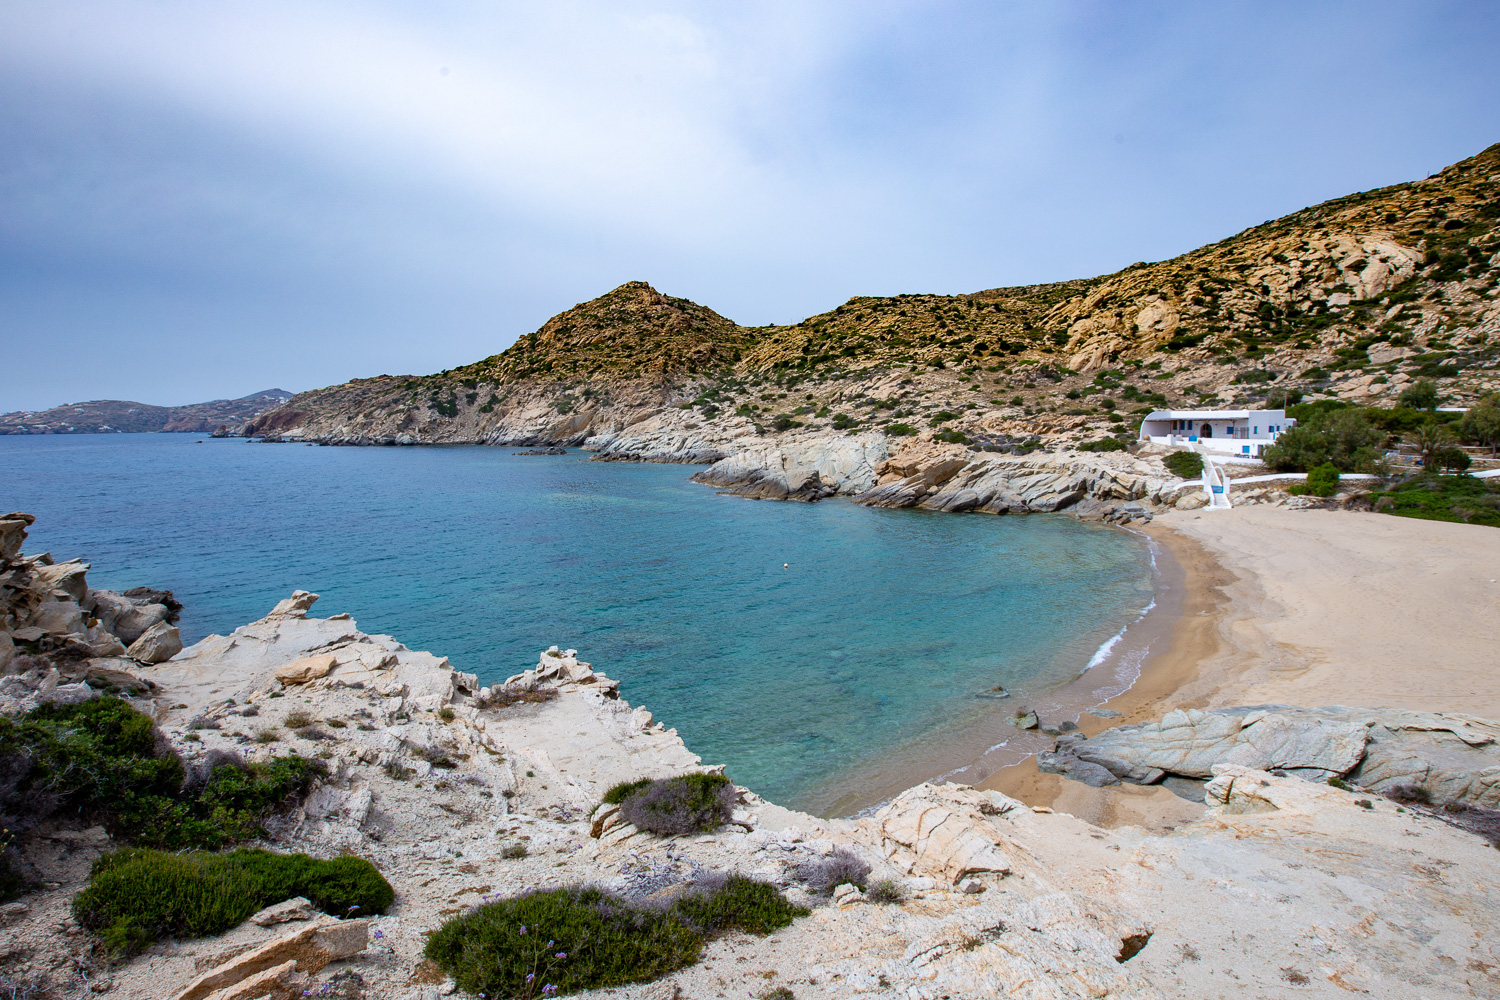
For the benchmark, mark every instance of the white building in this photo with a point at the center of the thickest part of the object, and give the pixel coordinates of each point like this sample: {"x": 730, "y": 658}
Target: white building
{"x": 1225, "y": 432}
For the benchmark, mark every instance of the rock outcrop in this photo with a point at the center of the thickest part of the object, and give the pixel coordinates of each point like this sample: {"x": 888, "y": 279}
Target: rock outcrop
{"x": 49, "y": 607}
{"x": 1453, "y": 757}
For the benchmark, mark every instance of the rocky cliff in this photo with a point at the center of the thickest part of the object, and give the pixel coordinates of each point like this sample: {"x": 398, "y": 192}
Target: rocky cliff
{"x": 461, "y": 794}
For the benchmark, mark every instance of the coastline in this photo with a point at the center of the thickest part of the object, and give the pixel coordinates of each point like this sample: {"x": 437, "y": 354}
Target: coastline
{"x": 1309, "y": 608}
{"x": 1130, "y": 672}
{"x": 1181, "y": 632}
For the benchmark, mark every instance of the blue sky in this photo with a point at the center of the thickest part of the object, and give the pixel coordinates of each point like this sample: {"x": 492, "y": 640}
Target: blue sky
{"x": 200, "y": 200}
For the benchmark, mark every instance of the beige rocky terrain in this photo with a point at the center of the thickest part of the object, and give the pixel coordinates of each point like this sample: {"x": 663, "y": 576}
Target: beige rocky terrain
{"x": 1280, "y": 886}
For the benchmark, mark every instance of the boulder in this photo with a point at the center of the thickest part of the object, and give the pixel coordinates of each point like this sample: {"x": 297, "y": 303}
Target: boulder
{"x": 563, "y": 670}
{"x": 1454, "y": 757}
{"x": 13, "y": 534}
{"x": 123, "y": 617}
{"x": 943, "y": 831}
{"x": 283, "y": 982}
{"x": 58, "y": 617}
{"x": 309, "y": 668}
{"x": 285, "y": 912}
{"x": 66, "y": 579}
{"x": 295, "y": 606}
{"x": 157, "y": 644}
{"x": 306, "y": 950}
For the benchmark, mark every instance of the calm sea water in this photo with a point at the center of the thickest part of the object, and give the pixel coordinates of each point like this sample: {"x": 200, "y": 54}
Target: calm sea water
{"x": 880, "y": 630}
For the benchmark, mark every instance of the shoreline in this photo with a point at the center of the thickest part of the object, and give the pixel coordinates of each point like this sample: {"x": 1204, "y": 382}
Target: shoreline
{"x": 1307, "y": 608}
{"x": 1192, "y": 602}
{"x": 985, "y": 751}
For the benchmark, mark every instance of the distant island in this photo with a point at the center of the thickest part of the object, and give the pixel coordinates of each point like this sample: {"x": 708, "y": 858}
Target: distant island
{"x": 122, "y": 416}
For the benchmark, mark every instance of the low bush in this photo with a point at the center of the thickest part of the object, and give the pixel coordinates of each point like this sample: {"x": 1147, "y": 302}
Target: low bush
{"x": 558, "y": 941}
{"x": 1322, "y": 481}
{"x": 842, "y": 866}
{"x": 900, "y": 430}
{"x": 1185, "y": 464}
{"x": 504, "y": 697}
{"x": 689, "y": 803}
{"x": 886, "y": 891}
{"x": 842, "y": 421}
{"x": 101, "y": 761}
{"x": 1443, "y": 498}
{"x": 717, "y": 903}
{"x": 1103, "y": 444}
{"x": 136, "y": 895}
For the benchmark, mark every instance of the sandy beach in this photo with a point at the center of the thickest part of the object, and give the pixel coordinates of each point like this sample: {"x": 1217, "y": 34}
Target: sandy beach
{"x": 1307, "y": 608}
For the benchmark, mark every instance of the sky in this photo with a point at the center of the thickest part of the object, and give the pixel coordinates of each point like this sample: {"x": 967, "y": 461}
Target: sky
{"x": 202, "y": 200}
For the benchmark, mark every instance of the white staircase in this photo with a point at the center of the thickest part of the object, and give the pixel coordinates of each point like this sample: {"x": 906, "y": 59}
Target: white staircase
{"x": 1215, "y": 484}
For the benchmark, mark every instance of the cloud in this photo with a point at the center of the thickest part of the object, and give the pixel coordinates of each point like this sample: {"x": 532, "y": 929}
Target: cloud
{"x": 355, "y": 188}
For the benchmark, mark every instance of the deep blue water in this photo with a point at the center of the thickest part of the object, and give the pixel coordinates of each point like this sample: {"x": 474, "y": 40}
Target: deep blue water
{"x": 878, "y": 633}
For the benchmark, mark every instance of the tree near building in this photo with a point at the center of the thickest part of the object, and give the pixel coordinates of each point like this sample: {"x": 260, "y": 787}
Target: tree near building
{"x": 1482, "y": 423}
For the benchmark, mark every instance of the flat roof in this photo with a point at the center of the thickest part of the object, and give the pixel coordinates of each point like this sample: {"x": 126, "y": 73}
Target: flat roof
{"x": 1209, "y": 414}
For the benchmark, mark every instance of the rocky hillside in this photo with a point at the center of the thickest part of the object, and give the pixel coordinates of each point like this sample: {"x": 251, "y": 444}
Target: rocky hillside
{"x": 119, "y": 416}
{"x": 1355, "y": 298}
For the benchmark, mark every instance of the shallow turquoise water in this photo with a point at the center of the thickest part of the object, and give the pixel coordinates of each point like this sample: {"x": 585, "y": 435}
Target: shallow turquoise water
{"x": 879, "y": 633}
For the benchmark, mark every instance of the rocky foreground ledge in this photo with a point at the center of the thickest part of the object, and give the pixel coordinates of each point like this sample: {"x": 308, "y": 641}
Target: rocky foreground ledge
{"x": 460, "y": 793}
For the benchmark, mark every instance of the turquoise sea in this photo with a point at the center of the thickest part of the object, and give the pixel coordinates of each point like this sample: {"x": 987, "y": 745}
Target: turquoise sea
{"x": 796, "y": 643}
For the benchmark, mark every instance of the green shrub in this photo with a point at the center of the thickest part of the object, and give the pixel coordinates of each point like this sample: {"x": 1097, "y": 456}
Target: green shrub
{"x": 716, "y": 904}
{"x": 625, "y": 789}
{"x": 1452, "y": 459}
{"x": 842, "y": 421}
{"x": 1420, "y": 395}
{"x": 136, "y": 895}
{"x": 886, "y": 891}
{"x": 900, "y": 430}
{"x": 952, "y": 437}
{"x": 1443, "y": 498}
{"x": 1344, "y": 438}
{"x": 1103, "y": 444}
{"x": 1321, "y": 482}
{"x": 102, "y": 761}
{"x": 688, "y": 803}
{"x": 562, "y": 941}
{"x": 784, "y": 422}
{"x": 1185, "y": 464}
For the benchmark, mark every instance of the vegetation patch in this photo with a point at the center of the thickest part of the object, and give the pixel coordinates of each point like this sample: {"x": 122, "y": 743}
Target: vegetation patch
{"x": 1321, "y": 482}
{"x": 136, "y": 896}
{"x": 101, "y": 761}
{"x": 1443, "y": 498}
{"x": 1185, "y": 464}
{"x": 688, "y": 803}
{"x": 824, "y": 875}
{"x": 559, "y": 941}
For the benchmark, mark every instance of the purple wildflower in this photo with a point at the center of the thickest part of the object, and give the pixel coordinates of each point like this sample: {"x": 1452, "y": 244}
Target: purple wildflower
{"x": 530, "y": 976}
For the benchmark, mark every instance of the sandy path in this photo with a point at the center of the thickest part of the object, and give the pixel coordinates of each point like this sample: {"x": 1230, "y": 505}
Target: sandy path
{"x": 1338, "y": 607}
